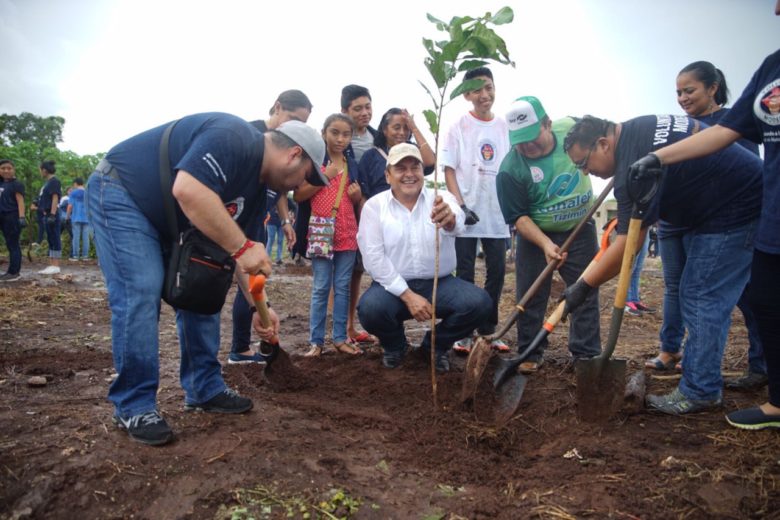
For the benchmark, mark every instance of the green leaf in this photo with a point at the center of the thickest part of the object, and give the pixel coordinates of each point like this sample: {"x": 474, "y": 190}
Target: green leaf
{"x": 428, "y": 44}
{"x": 471, "y": 64}
{"x": 436, "y": 68}
{"x": 467, "y": 86}
{"x": 433, "y": 121}
{"x": 451, "y": 51}
{"x": 503, "y": 16}
{"x": 435, "y": 20}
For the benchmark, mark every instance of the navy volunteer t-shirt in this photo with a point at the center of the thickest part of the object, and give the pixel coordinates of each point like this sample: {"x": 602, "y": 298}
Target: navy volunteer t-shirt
{"x": 222, "y": 151}
{"x": 711, "y": 194}
{"x": 756, "y": 116}
{"x": 8, "y": 191}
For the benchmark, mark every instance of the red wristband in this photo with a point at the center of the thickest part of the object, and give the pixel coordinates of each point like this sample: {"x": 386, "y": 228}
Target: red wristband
{"x": 242, "y": 249}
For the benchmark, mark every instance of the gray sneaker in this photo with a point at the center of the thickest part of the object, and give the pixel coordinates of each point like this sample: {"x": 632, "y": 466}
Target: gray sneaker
{"x": 8, "y": 277}
{"x": 676, "y": 403}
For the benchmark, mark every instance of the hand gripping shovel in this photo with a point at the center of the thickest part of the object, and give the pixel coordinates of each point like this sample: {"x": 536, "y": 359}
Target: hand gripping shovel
{"x": 480, "y": 353}
{"x": 278, "y": 366}
{"x": 507, "y": 368}
{"x": 601, "y": 381}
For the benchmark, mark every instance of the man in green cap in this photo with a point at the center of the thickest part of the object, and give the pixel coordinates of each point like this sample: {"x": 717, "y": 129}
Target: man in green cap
{"x": 544, "y": 196}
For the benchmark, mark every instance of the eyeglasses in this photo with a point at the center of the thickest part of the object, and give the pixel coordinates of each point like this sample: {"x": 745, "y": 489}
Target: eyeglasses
{"x": 583, "y": 164}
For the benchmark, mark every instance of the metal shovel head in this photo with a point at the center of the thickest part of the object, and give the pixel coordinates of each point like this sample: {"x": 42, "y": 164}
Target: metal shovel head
{"x": 475, "y": 365}
{"x": 508, "y": 398}
{"x": 600, "y": 387}
{"x": 279, "y": 371}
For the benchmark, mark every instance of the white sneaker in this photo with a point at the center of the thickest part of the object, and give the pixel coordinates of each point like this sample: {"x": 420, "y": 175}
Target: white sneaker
{"x": 52, "y": 269}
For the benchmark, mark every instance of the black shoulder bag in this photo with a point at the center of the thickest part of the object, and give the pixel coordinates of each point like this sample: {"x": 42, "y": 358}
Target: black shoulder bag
{"x": 200, "y": 272}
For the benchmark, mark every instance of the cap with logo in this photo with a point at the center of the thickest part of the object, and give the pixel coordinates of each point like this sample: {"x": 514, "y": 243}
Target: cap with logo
{"x": 401, "y": 151}
{"x": 524, "y": 119}
{"x": 311, "y": 141}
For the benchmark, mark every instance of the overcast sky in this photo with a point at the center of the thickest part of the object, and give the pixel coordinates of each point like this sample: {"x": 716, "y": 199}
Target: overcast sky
{"x": 113, "y": 68}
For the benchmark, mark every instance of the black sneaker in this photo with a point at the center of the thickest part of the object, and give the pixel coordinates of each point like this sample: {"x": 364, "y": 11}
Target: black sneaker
{"x": 8, "y": 277}
{"x": 442, "y": 362}
{"x": 753, "y": 419}
{"x": 227, "y": 401}
{"x": 748, "y": 382}
{"x": 148, "y": 428}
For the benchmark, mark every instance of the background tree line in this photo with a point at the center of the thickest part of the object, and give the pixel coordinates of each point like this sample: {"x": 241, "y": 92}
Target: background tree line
{"x": 28, "y": 140}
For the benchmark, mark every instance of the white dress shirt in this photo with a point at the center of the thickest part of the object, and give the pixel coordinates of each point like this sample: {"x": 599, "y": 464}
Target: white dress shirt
{"x": 399, "y": 245}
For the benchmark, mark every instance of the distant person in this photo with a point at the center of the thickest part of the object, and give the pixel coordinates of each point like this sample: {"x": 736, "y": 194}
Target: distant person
{"x": 634, "y": 304}
{"x": 342, "y": 195}
{"x": 291, "y": 105}
{"x": 40, "y": 220}
{"x": 49, "y": 200}
{"x": 12, "y": 218}
{"x": 274, "y": 235}
{"x": 396, "y": 236}
{"x": 472, "y": 153}
{"x": 77, "y": 214}
{"x": 717, "y": 199}
{"x": 221, "y": 167}
{"x": 543, "y": 195}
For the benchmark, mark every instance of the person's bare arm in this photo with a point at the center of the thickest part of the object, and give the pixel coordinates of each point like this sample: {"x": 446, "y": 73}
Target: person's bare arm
{"x": 706, "y": 142}
{"x": 452, "y": 184}
{"x": 528, "y": 229}
{"x": 205, "y": 210}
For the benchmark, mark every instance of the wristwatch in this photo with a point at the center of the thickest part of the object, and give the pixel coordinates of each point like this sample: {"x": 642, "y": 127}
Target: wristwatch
{"x": 286, "y": 221}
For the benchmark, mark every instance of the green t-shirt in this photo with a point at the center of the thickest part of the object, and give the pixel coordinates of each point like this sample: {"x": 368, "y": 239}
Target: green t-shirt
{"x": 549, "y": 190}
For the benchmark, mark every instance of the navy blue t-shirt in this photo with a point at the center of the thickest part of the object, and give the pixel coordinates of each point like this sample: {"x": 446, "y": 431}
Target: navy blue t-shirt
{"x": 8, "y": 191}
{"x": 711, "y": 194}
{"x": 756, "y": 116}
{"x": 664, "y": 228}
{"x": 51, "y": 188}
{"x": 222, "y": 151}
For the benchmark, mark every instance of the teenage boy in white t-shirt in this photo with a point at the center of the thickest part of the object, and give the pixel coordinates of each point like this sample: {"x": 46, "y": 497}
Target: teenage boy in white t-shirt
{"x": 472, "y": 154}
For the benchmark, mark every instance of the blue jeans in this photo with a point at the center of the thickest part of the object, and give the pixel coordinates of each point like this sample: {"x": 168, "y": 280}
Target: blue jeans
{"x": 639, "y": 262}
{"x": 131, "y": 258}
{"x": 462, "y": 306}
{"x": 53, "y": 231}
{"x": 336, "y": 273}
{"x": 495, "y": 266}
{"x": 11, "y": 233}
{"x": 673, "y": 261}
{"x": 716, "y": 271}
{"x": 274, "y": 234}
{"x": 81, "y": 233}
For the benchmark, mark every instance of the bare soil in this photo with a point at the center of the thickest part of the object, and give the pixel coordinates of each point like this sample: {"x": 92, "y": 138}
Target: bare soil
{"x": 351, "y": 439}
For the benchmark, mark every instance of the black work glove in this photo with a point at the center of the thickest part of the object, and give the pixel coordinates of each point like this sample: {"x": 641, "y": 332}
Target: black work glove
{"x": 51, "y": 219}
{"x": 22, "y": 222}
{"x": 471, "y": 217}
{"x": 643, "y": 178}
{"x": 575, "y": 295}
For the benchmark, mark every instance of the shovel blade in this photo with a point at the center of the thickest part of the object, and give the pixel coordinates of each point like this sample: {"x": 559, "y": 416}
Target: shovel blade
{"x": 475, "y": 365}
{"x": 279, "y": 371}
{"x": 600, "y": 388}
{"x": 508, "y": 397}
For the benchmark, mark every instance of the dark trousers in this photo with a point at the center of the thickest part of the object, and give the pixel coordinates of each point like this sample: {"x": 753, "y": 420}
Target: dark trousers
{"x": 764, "y": 288}
{"x": 461, "y": 305}
{"x": 495, "y": 265}
{"x": 584, "y": 328}
{"x": 53, "y": 232}
{"x": 11, "y": 233}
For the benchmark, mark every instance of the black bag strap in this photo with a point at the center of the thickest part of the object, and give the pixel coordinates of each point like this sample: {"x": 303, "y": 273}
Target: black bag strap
{"x": 166, "y": 184}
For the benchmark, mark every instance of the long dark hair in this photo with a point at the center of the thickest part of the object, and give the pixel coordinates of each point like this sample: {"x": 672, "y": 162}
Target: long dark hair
{"x": 709, "y": 74}
{"x": 380, "y": 139}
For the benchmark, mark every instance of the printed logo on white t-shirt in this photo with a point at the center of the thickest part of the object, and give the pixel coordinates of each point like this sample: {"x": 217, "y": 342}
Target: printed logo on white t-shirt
{"x": 487, "y": 151}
